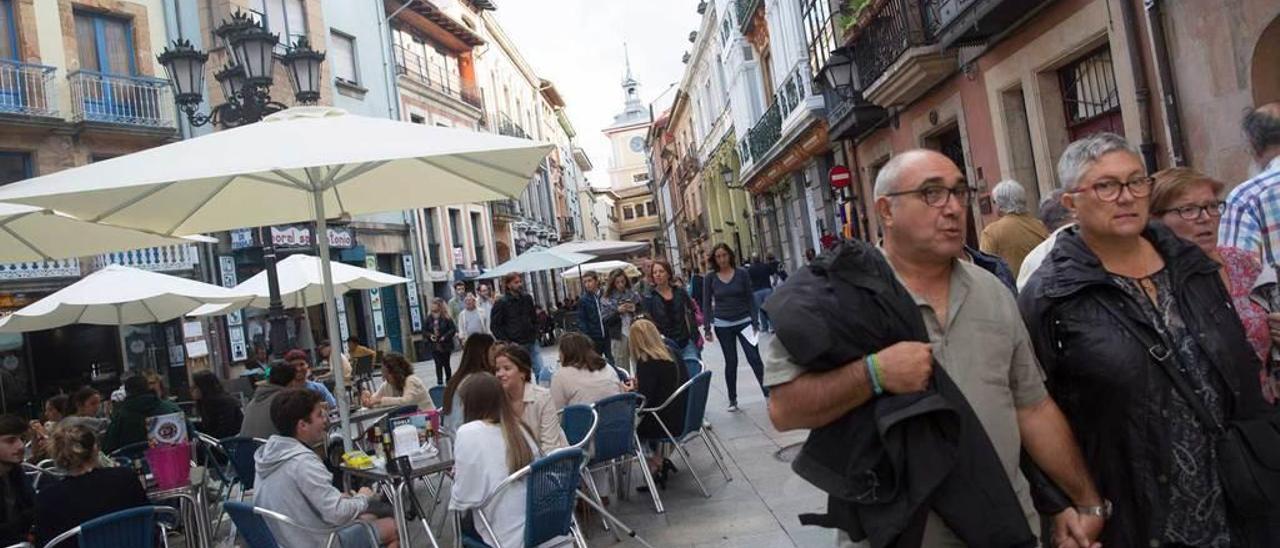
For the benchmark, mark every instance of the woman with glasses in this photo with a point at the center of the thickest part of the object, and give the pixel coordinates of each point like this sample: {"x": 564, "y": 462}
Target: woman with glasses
{"x": 1187, "y": 202}
{"x": 1135, "y": 331}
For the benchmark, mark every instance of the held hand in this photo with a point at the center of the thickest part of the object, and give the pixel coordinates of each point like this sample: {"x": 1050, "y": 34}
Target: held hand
{"x": 365, "y": 492}
{"x": 1073, "y": 530}
{"x": 905, "y": 367}
{"x": 1273, "y": 321}
{"x": 709, "y": 335}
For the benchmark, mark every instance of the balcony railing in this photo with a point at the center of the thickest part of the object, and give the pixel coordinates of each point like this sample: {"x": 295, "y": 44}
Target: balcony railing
{"x": 937, "y": 14}
{"x": 169, "y": 258}
{"x": 510, "y": 128}
{"x": 27, "y": 89}
{"x": 768, "y": 129}
{"x": 435, "y": 76}
{"x": 505, "y": 208}
{"x": 893, "y": 30}
{"x": 125, "y": 100}
{"x": 66, "y": 268}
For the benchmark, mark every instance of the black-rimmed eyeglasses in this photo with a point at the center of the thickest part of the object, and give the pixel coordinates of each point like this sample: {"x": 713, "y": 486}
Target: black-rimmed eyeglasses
{"x": 1108, "y": 190}
{"x": 1193, "y": 212}
{"x": 937, "y": 196}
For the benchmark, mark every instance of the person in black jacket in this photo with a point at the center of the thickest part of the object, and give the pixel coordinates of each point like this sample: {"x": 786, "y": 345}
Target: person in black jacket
{"x": 1112, "y": 288}
{"x": 87, "y": 492}
{"x": 17, "y": 499}
{"x": 671, "y": 309}
{"x": 976, "y": 335}
{"x": 589, "y": 321}
{"x": 220, "y": 413}
{"x": 442, "y": 332}
{"x": 514, "y": 319}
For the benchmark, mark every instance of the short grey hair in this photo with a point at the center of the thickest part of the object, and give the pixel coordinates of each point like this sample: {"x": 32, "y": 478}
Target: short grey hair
{"x": 1010, "y": 197}
{"x": 1082, "y": 154}
{"x": 1052, "y": 213}
{"x": 1262, "y": 127}
{"x": 892, "y": 171}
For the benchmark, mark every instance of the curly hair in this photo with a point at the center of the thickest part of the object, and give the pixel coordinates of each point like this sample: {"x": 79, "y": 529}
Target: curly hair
{"x": 73, "y": 446}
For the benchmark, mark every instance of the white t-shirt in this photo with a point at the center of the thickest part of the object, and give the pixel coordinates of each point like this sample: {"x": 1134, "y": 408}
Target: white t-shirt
{"x": 480, "y": 454}
{"x": 1036, "y": 257}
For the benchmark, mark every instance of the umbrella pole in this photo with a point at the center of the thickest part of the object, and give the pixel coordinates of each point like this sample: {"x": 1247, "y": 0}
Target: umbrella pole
{"x": 331, "y": 310}
{"x": 124, "y": 350}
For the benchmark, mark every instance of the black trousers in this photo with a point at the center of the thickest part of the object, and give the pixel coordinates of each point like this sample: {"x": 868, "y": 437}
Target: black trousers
{"x": 443, "y": 369}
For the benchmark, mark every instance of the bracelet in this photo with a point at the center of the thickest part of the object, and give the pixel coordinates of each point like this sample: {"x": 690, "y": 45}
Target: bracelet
{"x": 873, "y": 374}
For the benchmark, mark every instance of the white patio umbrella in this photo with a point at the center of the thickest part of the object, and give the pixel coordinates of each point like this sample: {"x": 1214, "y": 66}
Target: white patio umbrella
{"x": 602, "y": 267}
{"x": 302, "y": 284}
{"x": 603, "y": 248}
{"x": 30, "y": 233}
{"x": 301, "y": 164}
{"x": 537, "y": 259}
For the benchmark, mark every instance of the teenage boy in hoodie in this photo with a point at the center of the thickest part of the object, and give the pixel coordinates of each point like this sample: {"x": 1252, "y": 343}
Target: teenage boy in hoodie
{"x": 257, "y": 414}
{"x": 292, "y": 480}
{"x": 17, "y": 499}
{"x": 129, "y": 422}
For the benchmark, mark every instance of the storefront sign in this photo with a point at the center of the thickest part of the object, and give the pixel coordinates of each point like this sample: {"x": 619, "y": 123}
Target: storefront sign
{"x": 293, "y": 236}
{"x": 343, "y": 332}
{"x": 375, "y": 295}
{"x": 459, "y": 257}
{"x": 241, "y": 238}
{"x": 409, "y": 270}
{"x": 415, "y": 319}
{"x": 415, "y": 303}
{"x": 379, "y": 326}
{"x": 235, "y": 321}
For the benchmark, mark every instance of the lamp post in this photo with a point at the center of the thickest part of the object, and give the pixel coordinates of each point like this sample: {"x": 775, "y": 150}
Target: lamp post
{"x": 839, "y": 73}
{"x": 246, "y": 82}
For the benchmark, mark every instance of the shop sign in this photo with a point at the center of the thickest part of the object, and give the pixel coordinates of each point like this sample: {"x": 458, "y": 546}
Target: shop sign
{"x": 344, "y": 332}
{"x": 241, "y": 238}
{"x": 235, "y": 320}
{"x": 415, "y": 319}
{"x": 379, "y": 325}
{"x": 292, "y": 236}
{"x": 375, "y": 295}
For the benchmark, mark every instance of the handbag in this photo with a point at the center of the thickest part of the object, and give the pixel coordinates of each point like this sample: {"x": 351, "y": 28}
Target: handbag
{"x": 1248, "y": 449}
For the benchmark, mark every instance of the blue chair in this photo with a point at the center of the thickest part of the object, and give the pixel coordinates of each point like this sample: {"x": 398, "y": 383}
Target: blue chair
{"x": 132, "y": 452}
{"x": 241, "y": 450}
{"x": 579, "y": 423}
{"x": 615, "y": 442}
{"x": 252, "y": 527}
{"x": 437, "y": 396}
{"x": 694, "y": 425}
{"x": 551, "y": 484}
{"x": 135, "y": 527}
{"x": 694, "y": 366}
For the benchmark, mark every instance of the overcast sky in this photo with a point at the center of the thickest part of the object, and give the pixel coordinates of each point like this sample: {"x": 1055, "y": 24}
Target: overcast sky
{"x": 577, "y": 44}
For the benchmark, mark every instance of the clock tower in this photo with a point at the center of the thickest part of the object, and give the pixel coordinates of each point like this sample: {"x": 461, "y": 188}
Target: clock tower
{"x": 635, "y": 209}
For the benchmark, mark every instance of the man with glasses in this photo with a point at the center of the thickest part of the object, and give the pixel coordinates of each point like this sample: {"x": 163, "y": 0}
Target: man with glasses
{"x": 976, "y": 335}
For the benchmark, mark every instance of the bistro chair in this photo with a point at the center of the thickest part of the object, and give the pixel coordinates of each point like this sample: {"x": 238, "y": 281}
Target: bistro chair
{"x": 551, "y": 484}
{"x": 240, "y": 452}
{"x": 693, "y": 365}
{"x": 615, "y": 442}
{"x": 694, "y": 425}
{"x": 43, "y": 473}
{"x": 437, "y": 396}
{"x": 579, "y": 423}
{"x": 251, "y": 525}
{"x": 130, "y": 453}
{"x": 134, "y": 528}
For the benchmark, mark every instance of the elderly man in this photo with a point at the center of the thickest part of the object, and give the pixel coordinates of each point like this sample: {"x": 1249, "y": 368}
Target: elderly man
{"x": 1253, "y": 208}
{"x": 1016, "y": 233}
{"x": 976, "y": 334}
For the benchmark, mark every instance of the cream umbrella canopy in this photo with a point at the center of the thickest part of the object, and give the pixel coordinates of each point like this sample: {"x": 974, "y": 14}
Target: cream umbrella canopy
{"x": 603, "y": 267}
{"x": 301, "y": 164}
{"x": 302, "y": 284}
{"x": 538, "y": 259}
{"x": 602, "y": 248}
{"x": 30, "y": 233}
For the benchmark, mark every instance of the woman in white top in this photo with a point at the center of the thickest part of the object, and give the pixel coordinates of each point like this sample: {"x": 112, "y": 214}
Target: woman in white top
{"x": 583, "y": 377}
{"x": 531, "y": 402}
{"x": 493, "y": 444}
{"x": 471, "y": 319}
{"x": 475, "y": 359}
{"x": 402, "y": 386}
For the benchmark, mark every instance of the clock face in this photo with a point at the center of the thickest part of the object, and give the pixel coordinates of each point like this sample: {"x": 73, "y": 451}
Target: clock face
{"x": 637, "y": 144}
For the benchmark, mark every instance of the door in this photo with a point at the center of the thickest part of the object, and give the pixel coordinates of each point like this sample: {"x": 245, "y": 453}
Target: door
{"x": 391, "y": 306}
{"x": 13, "y": 80}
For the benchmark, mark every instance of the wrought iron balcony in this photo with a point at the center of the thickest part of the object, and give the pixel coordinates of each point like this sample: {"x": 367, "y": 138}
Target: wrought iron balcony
{"x": 169, "y": 258}
{"x": 955, "y": 23}
{"x": 509, "y": 209}
{"x": 66, "y": 268}
{"x": 889, "y": 34}
{"x": 768, "y": 129}
{"x": 510, "y": 128}
{"x": 435, "y": 76}
{"x": 896, "y": 36}
{"x": 766, "y": 132}
{"x": 122, "y": 100}
{"x": 27, "y": 89}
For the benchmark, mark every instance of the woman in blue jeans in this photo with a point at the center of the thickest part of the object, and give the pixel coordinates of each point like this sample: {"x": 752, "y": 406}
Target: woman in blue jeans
{"x": 728, "y": 304}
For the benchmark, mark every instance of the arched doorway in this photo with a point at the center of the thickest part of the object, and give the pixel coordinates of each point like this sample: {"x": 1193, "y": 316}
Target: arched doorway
{"x": 1265, "y": 70}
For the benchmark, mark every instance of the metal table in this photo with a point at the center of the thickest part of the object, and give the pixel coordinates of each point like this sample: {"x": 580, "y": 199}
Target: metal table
{"x": 194, "y": 511}
{"x": 396, "y": 489}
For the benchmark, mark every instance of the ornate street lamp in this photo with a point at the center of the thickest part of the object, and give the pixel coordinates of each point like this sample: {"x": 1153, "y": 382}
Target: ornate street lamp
{"x": 728, "y": 175}
{"x": 246, "y": 83}
{"x": 839, "y": 72}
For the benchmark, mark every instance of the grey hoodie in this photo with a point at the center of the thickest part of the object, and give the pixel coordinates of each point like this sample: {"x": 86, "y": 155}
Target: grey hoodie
{"x": 292, "y": 480}
{"x": 257, "y": 414}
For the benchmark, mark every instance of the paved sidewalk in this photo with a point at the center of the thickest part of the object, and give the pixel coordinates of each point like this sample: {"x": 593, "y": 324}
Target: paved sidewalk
{"x": 758, "y": 508}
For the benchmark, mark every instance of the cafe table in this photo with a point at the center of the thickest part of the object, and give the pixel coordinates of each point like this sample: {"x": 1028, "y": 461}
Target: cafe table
{"x": 397, "y": 489}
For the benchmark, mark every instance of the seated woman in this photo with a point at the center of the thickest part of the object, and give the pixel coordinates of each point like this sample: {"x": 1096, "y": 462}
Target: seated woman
{"x": 220, "y": 413}
{"x": 63, "y": 505}
{"x": 493, "y": 444}
{"x": 657, "y": 377}
{"x": 531, "y": 402}
{"x": 475, "y": 359}
{"x": 402, "y": 387}
{"x": 583, "y": 377}
{"x": 55, "y": 409}
{"x": 86, "y": 410}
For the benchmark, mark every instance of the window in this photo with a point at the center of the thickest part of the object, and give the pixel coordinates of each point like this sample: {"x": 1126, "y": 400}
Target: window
{"x": 653, "y": 210}
{"x": 417, "y": 119}
{"x": 283, "y": 17}
{"x": 477, "y": 238}
{"x": 344, "y": 58}
{"x": 14, "y": 167}
{"x": 639, "y": 178}
{"x": 433, "y": 241}
{"x": 105, "y": 44}
{"x": 1089, "y": 96}
{"x": 8, "y": 31}
{"x": 627, "y": 213}
{"x": 455, "y": 221}
{"x": 819, "y": 34}
{"x": 725, "y": 27}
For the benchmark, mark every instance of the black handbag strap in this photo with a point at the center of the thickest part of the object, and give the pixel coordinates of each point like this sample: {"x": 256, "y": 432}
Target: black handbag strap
{"x": 1163, "y": 355}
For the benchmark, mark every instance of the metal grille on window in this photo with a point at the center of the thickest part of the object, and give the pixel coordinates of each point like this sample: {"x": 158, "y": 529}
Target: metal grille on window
{"x": 1089, "y": 88}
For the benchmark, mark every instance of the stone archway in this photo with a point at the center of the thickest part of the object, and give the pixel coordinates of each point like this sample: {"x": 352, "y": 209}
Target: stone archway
{"x": 1265, "y": 70}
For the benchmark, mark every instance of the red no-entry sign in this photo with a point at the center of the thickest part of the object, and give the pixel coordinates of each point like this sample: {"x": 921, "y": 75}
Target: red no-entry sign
{"x": 840, "y": 176}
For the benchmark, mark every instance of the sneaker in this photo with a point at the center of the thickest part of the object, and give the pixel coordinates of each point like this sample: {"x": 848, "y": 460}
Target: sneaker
{"x": 733, "y": 408}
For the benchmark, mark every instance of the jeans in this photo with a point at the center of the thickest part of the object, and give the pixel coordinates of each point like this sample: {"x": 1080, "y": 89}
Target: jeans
{"x": 539, "y": 371}
{"x": 604, "y": 349}
{"x": 727, "y": 337}
{"x": 760, "y": 295}
{"x": 622, "y": 354}
{"x": 443, "y": 369}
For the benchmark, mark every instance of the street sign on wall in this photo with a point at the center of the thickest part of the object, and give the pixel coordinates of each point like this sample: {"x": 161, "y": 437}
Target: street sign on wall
{"x": 235, "y": 321}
